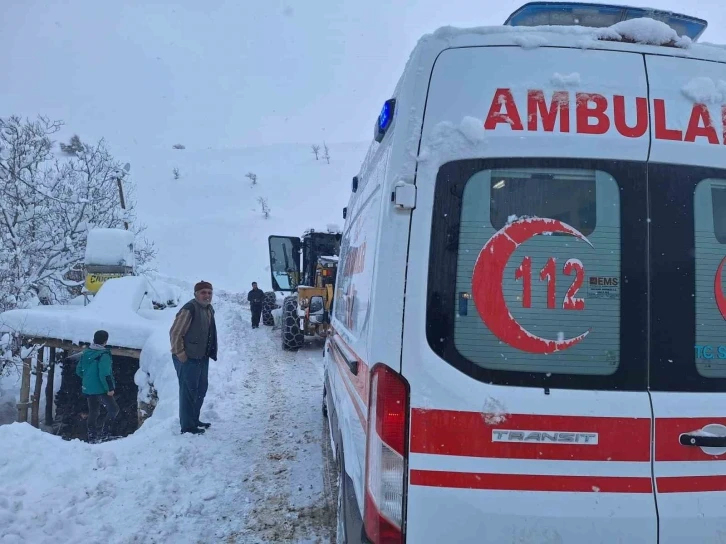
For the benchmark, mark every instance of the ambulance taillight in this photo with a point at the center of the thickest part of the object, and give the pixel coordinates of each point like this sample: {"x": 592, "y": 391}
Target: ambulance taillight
{"x": 386, "y": 456}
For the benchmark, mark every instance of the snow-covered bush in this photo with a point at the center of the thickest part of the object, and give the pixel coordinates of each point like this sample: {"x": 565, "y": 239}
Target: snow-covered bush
{"x": 47, "y": 207}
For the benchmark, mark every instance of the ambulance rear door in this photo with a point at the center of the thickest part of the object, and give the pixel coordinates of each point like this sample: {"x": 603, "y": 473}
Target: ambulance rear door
{"x": 687, "y": 200}
{"x": 525, "y": 330}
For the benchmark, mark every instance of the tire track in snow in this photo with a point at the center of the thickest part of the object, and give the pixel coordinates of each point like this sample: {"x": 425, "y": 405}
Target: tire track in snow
{"x": 282, "y": 415}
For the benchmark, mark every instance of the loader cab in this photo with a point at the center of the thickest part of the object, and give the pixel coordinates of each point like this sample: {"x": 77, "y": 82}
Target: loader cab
{"x": 284, "y": 262}
{"x": 319, "y": 251}
{"x": 305, "y": 311}
{"x": 319, "y": 246}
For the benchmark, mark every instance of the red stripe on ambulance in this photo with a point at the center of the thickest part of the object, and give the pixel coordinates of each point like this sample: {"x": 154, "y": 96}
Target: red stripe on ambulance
{"x": 446, "y": 432}
{"x": 531, "y": 482}
{"x": 596, "y": 114}
{"x": 691, "y": 484}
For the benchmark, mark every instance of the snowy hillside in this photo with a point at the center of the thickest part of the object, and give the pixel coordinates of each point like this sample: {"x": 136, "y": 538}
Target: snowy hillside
{"x": 208, "y": 224}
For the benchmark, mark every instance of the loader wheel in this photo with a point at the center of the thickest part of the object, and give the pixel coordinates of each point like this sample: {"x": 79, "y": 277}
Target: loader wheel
{"x": 292, "y": 336}
{"x": 268, "y": 304}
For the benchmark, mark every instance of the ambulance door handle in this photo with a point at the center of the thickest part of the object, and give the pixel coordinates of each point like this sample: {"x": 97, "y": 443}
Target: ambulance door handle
{"x": 699, "y": 440}
{"x": 351, "y": 363}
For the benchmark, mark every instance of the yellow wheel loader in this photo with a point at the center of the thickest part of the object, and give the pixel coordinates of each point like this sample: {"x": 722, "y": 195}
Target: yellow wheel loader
{"x": 311, "y": 283}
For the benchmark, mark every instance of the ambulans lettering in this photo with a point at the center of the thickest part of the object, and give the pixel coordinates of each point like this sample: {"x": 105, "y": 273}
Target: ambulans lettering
{"x": 700, "y": 125}
{"x": 545, "y": 437}
{"x": 641, "y": 117}
{"x": 356, "y": 260}
{"x": 591, "y": 114}
{"x": 488, "y": 278}
{"x": 596, "y": 114}
{"x": 537, "y": 108}
{"x": 353, "y": 284}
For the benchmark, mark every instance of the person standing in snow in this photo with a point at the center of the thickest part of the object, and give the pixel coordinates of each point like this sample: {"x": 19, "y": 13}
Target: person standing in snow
{"x": 193, "y": 342}
{"x": 96, "y": 372}
{"x": 255, "y": 298}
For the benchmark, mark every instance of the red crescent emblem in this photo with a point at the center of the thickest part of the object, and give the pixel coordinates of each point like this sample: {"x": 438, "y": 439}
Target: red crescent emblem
{"x": 718, "y": 290}
{"x": 489, "y": 275}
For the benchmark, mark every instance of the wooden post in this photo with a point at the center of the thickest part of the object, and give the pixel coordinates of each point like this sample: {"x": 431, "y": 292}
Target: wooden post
{"x": 24, "y": 392}
{"x": 121, "y": 197}
{"x": 35, "y": 405}
{"x": 49, "y": 397}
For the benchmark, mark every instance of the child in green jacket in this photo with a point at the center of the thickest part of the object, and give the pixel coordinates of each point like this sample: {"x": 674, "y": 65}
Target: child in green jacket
{"x": 95, "y": 369}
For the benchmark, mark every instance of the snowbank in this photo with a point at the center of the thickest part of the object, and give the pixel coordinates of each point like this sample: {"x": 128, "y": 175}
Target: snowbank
{"x": 156, "y": 370}
{"x": 115, "y": 309}
{"x": 254, "y": 477}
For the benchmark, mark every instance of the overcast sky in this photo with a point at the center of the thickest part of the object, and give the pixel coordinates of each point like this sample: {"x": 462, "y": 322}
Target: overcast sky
{"x": 210, "y": 73}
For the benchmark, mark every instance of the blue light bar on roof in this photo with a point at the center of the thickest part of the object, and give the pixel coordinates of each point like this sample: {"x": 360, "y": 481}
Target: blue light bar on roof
{"x": 385, "y": 119}
{"x": 600, "y": 16}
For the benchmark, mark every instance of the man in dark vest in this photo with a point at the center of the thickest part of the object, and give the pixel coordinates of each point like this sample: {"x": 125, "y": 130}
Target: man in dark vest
{"x": 193, "y": 342}
{"x": 256, "y": 297}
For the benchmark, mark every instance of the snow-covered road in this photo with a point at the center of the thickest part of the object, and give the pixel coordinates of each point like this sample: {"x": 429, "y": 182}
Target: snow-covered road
{"x": 257, "y": 475}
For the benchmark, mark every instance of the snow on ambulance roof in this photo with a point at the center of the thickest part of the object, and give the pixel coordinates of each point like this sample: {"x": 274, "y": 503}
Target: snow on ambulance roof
{"x": 115, "y": 308}
{"x": 566, "y": 13}
{"x": 640, "y": 35}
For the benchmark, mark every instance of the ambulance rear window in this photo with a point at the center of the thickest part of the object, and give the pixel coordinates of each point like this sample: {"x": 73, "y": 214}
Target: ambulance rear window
{"x": 567, "y": 197}
{"x": 525, "y": 272}
{"x": 545, "y": 293}
{"x": 710, "y": 248}
{"x": 718, "y": 208}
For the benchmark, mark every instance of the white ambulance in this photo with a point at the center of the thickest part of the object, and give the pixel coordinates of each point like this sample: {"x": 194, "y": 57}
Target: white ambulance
{"x": 530, "y": 314}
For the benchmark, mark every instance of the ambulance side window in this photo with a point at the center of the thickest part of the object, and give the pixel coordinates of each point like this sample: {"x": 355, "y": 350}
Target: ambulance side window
{"x": 356, "y": 265}
{"x": 710, "y": 295}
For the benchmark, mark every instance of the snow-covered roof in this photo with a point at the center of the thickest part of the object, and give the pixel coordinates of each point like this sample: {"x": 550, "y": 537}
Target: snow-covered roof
{"x": 110, "y": 247}
{"x": 117, "y": 308}
{"x": 641, "y": 35}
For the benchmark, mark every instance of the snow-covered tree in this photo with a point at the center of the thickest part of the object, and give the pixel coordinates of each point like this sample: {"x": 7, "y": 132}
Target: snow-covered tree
{"x": 265, "y": 207}
{"x": 176, "y": 173}
{"x": 47, "y": 207}
{"x": 73, "y": 147}
{"x": 316, "y": 151}
{"x": 326, "y": 152}
{"x": 252, "y": 176}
